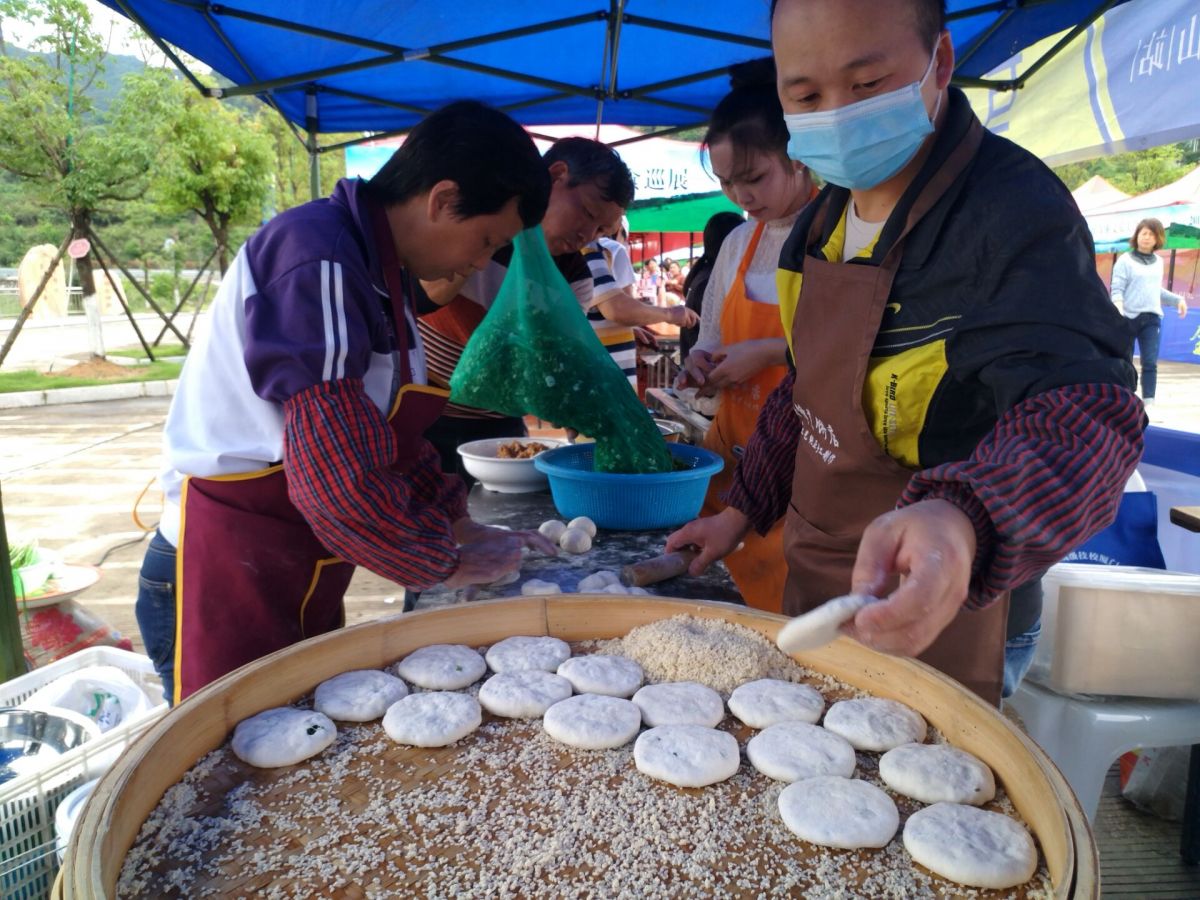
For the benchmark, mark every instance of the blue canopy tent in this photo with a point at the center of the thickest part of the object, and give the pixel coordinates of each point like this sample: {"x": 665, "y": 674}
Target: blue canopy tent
{"x": 380, "y": 66}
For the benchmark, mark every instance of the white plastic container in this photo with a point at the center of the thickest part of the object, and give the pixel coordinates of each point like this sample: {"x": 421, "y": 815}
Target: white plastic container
{"x": 28, "y": 858}
{"x": 1119, "y": 631}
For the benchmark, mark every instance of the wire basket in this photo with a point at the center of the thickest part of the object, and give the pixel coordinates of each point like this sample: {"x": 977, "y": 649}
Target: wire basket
{"x": 28, "y": 842}
{"x": 629, "y": 502}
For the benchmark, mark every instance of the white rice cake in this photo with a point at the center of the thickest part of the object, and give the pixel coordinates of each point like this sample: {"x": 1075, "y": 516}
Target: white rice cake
{"x": 689, "y": 756}
{"x": 613, "y": 676}
{"x": 839, "y": 812}
{"x": 359, "y": 696}
{"x": 515, "y": 654}
{"x": 442, "y": 667}
{"x": 524, "y": 694}
{"x": 793, "y": 751}
{"x": 282, "y": 737}
{"x": 937, "y": 773}
{"x": 432, "y": 719}
{"x": 680, "y": 703}
{"x": 971, "y": 846}
{"x": 768, "y": 701}
{"x": 875, "y": 723}
{"x": 593, "y": 722}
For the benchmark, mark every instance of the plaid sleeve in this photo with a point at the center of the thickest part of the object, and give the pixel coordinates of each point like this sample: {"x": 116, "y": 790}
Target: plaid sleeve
{"x": 436, "y": 488}
{"x": 762, "y": 481}
{"x": 1047, "y": 478}
{"x": 338, "y": 451}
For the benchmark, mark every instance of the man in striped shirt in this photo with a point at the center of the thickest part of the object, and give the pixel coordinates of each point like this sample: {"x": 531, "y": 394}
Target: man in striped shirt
{"x": 590, "y": 189}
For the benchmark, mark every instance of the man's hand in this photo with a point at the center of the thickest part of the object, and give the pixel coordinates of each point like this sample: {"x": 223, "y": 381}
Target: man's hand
{"x": 468, "y": 531}
{"x": 487, "y": 559}
{"x": 932, "y": 544}
{"x": 695, "y": 369}
{"x": 682, "y": 317}
{"x": 715, "y": 537}
{"x": 1183, "y": 308}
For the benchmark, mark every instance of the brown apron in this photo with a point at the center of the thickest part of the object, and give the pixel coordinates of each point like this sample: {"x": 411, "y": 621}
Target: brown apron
{"x": 251, "y": 576}
{"x": 843, "y": 478}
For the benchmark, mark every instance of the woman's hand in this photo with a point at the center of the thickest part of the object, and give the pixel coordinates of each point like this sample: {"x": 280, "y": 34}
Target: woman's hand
{"x": 1183, "y": 308}
{"x": 738, "y": 363}
{"x": 695, "y": 369}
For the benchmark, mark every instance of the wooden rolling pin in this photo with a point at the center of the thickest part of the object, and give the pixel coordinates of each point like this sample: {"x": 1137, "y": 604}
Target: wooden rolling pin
{"x": 660, "y": 568}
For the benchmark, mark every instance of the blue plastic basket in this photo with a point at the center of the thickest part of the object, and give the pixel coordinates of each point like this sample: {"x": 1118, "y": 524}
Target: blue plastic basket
{"x": 628, "y": 502}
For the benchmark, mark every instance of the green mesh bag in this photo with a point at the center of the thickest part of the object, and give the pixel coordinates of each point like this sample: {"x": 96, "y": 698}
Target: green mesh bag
{"x": 535, "y": 353}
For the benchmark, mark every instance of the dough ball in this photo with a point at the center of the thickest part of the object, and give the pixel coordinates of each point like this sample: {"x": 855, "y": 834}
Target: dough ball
{"x": 689, "y": 756}
{"x": 768, "y": 701}
{"x": 614, "y": 589}
{"x": 971, "y": 846}
{"x": 597, "y": 582}
{"x": 514, "y": 654}
{"x": 639, "y": 592}
{"x": 575, "y": 540}
{"x": 442, "y": 667}
{"x": 875, "y": 723}
{"x": 612, "y": 676}
{"x": 583, "y": 523}
{"x": 433, "y": 719}
{"x": 359, "y": 696}
{"x": 282, "y": 737}
{"x": 793, "y": 751}
{"x": 553, "y": 529}
{"x": 937, "y": 773}
{"x": 535, "y": 587}
{"x": 839, "y": 812}
{"x": 820, "y": 626}
{"x": 525, "y": 694}
{"x": 593, "y": 722}
{"x": 680, "y": 703}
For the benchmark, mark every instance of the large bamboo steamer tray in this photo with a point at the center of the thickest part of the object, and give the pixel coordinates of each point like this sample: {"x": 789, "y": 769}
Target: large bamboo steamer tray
{"x": 128, "y": 793}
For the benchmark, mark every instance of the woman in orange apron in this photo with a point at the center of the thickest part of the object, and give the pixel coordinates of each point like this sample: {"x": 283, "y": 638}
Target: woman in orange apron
{"x": 740, "y": 353}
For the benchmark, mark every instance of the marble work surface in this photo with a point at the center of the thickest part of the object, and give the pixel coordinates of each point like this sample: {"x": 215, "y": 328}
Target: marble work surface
{"x": 611, "y": 550}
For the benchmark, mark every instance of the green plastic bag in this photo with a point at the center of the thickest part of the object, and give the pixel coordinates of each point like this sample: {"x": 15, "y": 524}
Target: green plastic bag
{"x": 535, "y": 353}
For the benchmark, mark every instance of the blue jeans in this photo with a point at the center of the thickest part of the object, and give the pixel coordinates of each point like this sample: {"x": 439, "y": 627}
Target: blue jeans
{"x": 1018, "y": 657}
{"x": 155, "y": 609}
{"x": 1147, "y": 329}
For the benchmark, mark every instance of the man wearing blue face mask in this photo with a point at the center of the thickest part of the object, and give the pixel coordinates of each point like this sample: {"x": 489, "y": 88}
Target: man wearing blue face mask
{"x": 960, "y": 411}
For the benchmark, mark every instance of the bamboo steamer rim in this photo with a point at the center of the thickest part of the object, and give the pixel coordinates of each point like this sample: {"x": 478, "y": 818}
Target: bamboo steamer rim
{"x": 129, "y": 791}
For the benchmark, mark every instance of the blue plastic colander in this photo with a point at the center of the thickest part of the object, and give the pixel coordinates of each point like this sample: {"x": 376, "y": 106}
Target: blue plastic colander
{"x": 628, "y": 502}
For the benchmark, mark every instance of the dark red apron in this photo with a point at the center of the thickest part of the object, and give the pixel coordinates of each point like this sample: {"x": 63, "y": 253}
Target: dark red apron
{"x": 251, "y": 577}
{"x": 843, "y": 478}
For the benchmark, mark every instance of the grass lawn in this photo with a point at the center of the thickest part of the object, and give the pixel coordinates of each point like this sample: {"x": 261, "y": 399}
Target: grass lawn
{"x": 160, "y": 352}
{"x": 11, "y": 382}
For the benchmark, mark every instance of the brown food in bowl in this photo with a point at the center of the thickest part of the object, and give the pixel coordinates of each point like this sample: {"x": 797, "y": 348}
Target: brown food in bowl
{"x": 519, "y": 450}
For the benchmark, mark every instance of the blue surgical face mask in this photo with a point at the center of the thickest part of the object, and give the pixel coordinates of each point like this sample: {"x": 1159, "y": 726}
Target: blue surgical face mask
{"x": 864, "y": 144}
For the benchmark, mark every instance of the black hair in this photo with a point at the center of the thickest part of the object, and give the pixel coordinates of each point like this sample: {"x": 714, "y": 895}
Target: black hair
{"x": 717, "y": 228}
{"x": 480, "y": 149}
{"x": 750, "y": 116}
{"x": 591, "y": 162}
{"x": 930, "y": 18}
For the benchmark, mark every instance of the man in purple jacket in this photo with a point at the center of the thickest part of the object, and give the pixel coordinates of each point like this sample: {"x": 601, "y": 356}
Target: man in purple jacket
{"x": 294, "y": 447}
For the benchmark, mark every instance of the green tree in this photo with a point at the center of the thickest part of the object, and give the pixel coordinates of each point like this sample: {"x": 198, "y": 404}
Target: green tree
{"x": 216, "y": 161}
{"x": 291, "y": 184}
{"x": 1133, "y": 173}
{"x": 69, "y": 159}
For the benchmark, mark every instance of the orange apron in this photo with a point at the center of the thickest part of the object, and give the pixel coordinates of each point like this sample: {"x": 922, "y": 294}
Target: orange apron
{"x": 758, "y": 569}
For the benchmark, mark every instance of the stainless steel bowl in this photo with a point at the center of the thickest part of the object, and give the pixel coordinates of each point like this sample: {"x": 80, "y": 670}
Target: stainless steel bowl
{"x": 671, "y": 430}
{"x": 36, "y": 736}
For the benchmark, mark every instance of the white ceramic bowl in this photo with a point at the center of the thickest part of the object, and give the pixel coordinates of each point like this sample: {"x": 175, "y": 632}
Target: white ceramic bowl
{"x": 505, "y": 476}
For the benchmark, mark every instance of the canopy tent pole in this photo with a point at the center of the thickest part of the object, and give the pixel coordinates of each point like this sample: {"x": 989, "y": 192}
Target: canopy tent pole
{"x": 311, "y": 123}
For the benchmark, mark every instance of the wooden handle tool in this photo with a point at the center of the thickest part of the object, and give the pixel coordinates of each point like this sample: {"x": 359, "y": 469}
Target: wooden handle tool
{"x": 660, "y": 568}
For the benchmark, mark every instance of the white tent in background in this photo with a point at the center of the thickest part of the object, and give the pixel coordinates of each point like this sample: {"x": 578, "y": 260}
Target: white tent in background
{"x": 1095, "y": 193}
